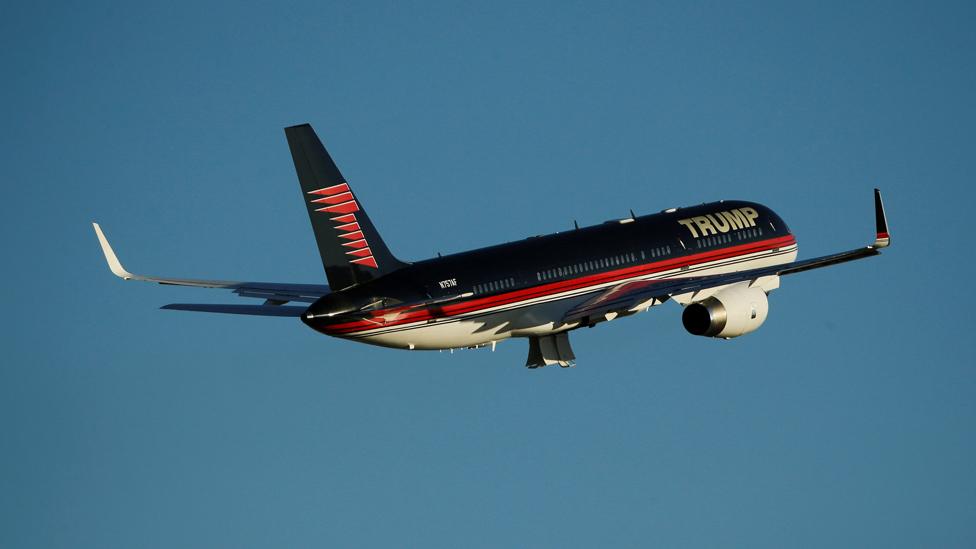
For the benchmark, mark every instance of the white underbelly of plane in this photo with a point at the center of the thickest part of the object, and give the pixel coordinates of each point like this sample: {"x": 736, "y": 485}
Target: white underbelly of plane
{"x": 538, "y": 316}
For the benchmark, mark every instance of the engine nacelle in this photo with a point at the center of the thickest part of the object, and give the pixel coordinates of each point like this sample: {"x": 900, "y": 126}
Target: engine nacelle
{"x": 732, "y": 312}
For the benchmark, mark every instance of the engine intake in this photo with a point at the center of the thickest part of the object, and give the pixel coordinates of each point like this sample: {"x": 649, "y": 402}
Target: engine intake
{"x": 732, "y": 312}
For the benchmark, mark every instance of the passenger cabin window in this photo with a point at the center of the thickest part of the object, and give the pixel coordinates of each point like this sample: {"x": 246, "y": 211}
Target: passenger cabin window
{"x": 660, "y": 251}
{"x": 749, "y": 234}
{"x": 494, "y": 285}
{"x": 718, "y": 240}
{"x": 591, "y": 265}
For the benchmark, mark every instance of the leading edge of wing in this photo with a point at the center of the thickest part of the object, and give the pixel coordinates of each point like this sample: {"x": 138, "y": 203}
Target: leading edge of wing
{"x": 118, "y": 270}
{"x": 275, "y": 291}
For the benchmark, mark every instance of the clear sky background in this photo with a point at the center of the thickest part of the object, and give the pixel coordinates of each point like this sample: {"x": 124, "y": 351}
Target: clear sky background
{"x": 847, "y": 420}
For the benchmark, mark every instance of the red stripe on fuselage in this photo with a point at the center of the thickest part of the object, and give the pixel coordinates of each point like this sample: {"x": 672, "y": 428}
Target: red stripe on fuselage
{"x": 378, "y": 317}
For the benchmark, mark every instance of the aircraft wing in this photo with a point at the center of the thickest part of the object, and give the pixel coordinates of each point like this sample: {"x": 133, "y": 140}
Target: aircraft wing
{"x": 275, "y": 294}
{"x": 632, "y": 296}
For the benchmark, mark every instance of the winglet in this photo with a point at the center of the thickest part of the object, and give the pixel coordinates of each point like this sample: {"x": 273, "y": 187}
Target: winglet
{"x": 110, "y": 257}
{"x": 883, "y": 239}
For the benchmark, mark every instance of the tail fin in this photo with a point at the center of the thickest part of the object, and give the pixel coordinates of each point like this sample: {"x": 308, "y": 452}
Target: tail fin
{"x": 351, "y": 248}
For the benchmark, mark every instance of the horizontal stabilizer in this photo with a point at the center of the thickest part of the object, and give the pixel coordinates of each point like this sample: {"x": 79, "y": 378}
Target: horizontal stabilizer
{"x": 256, "y": 310}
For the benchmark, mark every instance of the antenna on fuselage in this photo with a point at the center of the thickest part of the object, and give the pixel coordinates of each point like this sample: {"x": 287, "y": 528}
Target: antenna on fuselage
{"x": 632, "y": 216}
{"x": 575, "y": 224}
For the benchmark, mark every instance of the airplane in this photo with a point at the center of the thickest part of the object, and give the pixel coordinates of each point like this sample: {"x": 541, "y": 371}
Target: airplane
{"x": 718, "y": 260}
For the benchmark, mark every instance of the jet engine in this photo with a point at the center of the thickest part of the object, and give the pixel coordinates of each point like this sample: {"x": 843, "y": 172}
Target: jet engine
{"x": 734, "y": 311}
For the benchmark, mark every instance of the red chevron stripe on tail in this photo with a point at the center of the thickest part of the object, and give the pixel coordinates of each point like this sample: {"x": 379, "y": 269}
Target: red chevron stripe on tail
{"x": 338, "y": 199}
{"x": 344, "y": 218}
{"x": 368, "y": 261}
{"x": 358, "y": 235}
{"x": 345, "y": 207}
{"x": 365, "y": 252}
{"x": 334, "y": 199}
{"x": 334, "y": 189}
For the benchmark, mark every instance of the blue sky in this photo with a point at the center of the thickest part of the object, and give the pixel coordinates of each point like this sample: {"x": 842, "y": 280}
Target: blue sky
{"x": 846, "y": 420}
